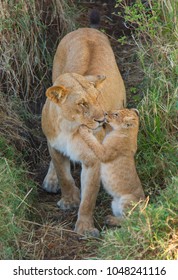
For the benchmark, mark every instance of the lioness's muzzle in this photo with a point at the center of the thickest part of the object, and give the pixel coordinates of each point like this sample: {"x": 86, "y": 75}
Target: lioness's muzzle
{"x": 100, "y": 121}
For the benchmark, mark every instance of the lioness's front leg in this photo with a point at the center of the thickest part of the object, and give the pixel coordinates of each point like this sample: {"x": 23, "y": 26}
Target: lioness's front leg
{"x": 90, "y": 183}
{"x": 70, "y": 193}
{"x": 51, "y": 183}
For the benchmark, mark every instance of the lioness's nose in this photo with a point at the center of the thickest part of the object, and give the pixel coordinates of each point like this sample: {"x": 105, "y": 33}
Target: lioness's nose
{"x": 100, "y": 120}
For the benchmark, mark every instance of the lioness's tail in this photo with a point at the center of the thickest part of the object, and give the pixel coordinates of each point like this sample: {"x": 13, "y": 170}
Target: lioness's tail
{"x": 94, "y": 19}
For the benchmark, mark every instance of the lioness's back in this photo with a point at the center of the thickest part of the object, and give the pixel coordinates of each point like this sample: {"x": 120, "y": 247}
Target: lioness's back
{"x": 87, "y": 51}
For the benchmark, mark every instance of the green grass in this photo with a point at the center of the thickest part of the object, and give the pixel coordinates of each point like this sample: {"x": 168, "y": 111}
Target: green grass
{"x": 152, "y": 233}
{"x": 16, "y": 194}
{"x": 148, "y": 233}
{"x": 158, "y": 53}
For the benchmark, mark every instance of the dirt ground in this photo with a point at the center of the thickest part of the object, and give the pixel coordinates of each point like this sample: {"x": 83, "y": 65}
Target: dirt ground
{"x": 53, "y": 237}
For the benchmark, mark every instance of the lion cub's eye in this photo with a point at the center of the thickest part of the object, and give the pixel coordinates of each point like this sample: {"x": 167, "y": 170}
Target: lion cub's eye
{"x": 116, "y": 115}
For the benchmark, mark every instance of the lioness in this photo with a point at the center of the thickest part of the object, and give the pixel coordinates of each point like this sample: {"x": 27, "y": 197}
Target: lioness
{"x": 80, "y": 95}
{"x": 118, "y": 172}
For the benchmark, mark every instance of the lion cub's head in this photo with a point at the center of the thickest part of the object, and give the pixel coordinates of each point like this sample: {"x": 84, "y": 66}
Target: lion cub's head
{"x": 76, "y": 96}
{"x": 123, "y": 119}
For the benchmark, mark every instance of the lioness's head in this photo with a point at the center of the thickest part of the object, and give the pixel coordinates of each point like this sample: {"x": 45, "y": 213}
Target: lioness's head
{"x": 123, "y": 119}
{"x": 77, "y": 98}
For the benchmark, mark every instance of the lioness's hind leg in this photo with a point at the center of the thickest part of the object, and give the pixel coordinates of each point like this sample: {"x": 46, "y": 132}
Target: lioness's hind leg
{"x": 51, "y": 183}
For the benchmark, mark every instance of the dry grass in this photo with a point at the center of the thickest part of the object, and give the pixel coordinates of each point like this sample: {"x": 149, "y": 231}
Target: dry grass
{"x": 51, "y": 241}
{"x": 52, "y": 236}
{"x": 29, "y": 33}
{"x": 12, "y": 127}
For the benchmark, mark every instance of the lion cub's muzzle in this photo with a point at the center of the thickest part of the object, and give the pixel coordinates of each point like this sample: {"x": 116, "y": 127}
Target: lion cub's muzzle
{"x": 106, "y": 117}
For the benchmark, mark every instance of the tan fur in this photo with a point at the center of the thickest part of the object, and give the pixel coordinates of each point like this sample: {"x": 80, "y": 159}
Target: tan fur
{"x": 118, "y": 172}
{"x": 86, "y": 83}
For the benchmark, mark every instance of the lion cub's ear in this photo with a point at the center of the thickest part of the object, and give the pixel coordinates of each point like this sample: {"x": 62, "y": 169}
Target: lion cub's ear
{"x": 95, "y": 79}
{"x": 57, "y": 94}
{"x": 136, "y": 111}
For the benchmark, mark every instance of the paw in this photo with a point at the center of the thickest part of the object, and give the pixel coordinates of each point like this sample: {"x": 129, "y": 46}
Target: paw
{"x": 86, "y": 229}
{"x": 70, "y": 202}
{"x": 51, "y": 184}
{"x": 113, "y": 221}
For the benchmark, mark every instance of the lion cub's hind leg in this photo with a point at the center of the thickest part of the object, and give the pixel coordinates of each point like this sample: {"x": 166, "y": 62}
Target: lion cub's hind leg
{"x": 119, "y": 206}
{"x": 113, "y": 221}
{"x": 117, "y": 209}
{"x": 51, "y": 183}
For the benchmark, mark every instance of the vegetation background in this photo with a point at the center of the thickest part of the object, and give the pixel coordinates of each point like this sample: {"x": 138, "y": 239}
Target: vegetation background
{"x": 144, "y": 37}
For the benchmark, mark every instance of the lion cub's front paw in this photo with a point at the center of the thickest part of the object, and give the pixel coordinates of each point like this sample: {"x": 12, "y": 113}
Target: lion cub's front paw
{"x": 70, "y": 202}
{"x": 113, "y": 221}
{"x": 86, "y": 229}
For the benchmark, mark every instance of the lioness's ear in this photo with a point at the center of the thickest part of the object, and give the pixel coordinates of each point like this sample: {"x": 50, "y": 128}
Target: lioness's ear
{"x": 57, "y": 94}
{"x": 95, "y": 79}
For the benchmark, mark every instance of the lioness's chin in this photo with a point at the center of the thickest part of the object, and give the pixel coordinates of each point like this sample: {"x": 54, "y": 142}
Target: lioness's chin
{"x": 94, "y": 127}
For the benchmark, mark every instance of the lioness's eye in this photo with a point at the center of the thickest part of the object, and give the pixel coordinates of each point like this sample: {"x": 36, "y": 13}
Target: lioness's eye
{"x": 84, "y": 104}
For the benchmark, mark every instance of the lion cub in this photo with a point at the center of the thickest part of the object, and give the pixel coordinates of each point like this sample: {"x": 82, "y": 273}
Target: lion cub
{"x": 116, "y": 153}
